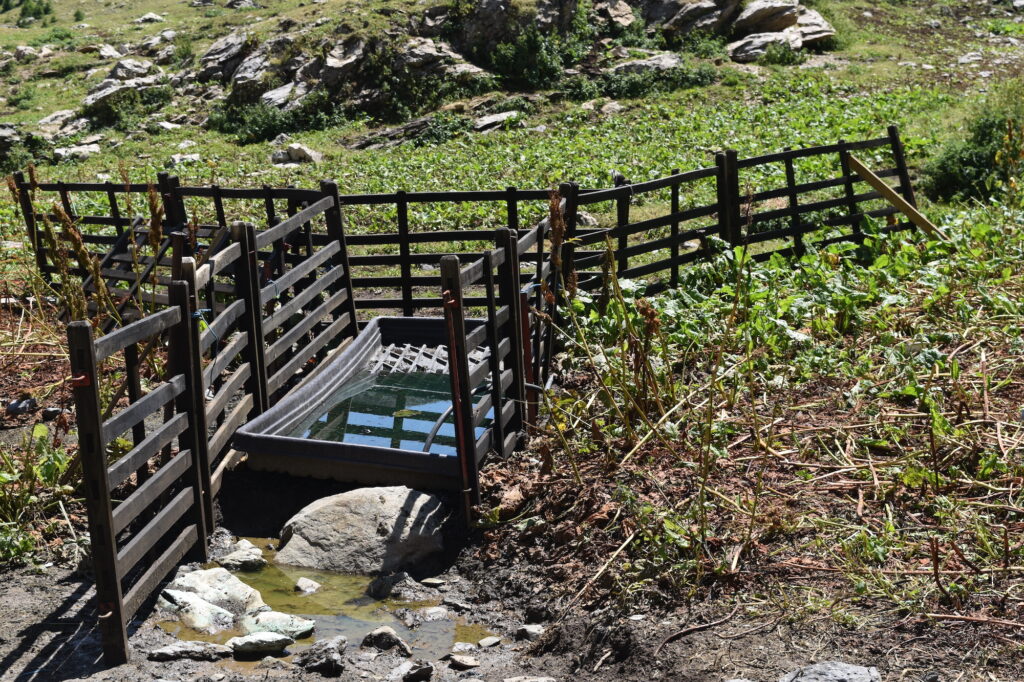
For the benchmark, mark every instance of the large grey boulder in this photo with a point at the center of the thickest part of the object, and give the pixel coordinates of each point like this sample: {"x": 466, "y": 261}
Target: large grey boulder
{"x": 367, "y": 531}
{"x": 127, "y": 69}
{"x": 767, "y": 16}
{"x": 812, "y": 27}
{"x": 436, "y": 57}
{"x": 196, "y": 651}
{"x": 285, "y": 96}
{"x": 753, "y": 47}
{"x": 252, "y": 68}
{"x": 833, "y": 671}
{"x": 195, "y": 612}
{"x": 223, "y": 57}
{"x": 663, "y": 61}
{"x": 709, "y": 16}
{"x": 220, "y": 588}
{"x": 105, "y": 94}
{"x": 342, "y": 62}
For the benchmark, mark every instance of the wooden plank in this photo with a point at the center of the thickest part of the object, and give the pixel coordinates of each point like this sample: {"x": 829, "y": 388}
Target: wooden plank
{"x": 149, "y": 492}
{"x": 159, "y": 570}
{"x": 219, "y": 402}
{"x": 295, "y": 305}
{"x": 146, "y": 538}
{"x": 307, "y": 268}
{"x": 225, "y": 357}
{"x": 137, "y": 457}
{"x": 304, "y": 354}
{"x": 310, "y": 320}
{"x": 149, "y": 404}
{"x": 219, "y": 328}
{"x": 890, "y": 195}
{"x": 226, "y": 431}
{"x": 149, "y": 326}
{"x": 289, "y": 225}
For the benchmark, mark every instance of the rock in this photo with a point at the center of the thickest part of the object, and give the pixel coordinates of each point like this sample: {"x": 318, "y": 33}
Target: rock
{"x": 307, "y": 585}
{"x": 150, "y": 18}
{"x": 615, "y": 13}
{"x": 456, "y": 605}
{"x": 50, "y": 413}
{"x": 109, "y": 52}
{"x": 300, "y": 153}
{"x": 663, "y": 61}
{"x": 369, "y": 530}
{"x": 252, "y": 69}
{"x": 435, "y": 57}
{"x": 287, "y": 94}
{"x": 104, "y": 95}
{"x": 220, "y": 588}
{"x": 766, "y": 16}
{"x": 492, "y": 121}
{"x": 812, "y": 27}
{"x": 260, "y": 643}
{"x": 833, "y": 671}
{"x": 530, "y": 633}
{"x": 433, "y": 613}
{"x": 195, "y": 612}
{"x": 324, "y": 657}
{"x": 244, "y": 556}
{"x": 196, "y": 651}
{"x": 709, "y": 16}
{"x": 127, "y": 69}
{"x": 167, "y": 125}
{"x": 421, "y": 672}
{"x": 223, "y": 57}
{"x": 612, "y": 108}
{"x": 242, "y": 4}
{"x": 280, "y": 157}
{"x": 385, "y": 638}
{"x": 488, "y": 642}
{"x": 57, "y": 119}
{"x": 180, "y": 160}
{"x": 342, "y": 62}
{"x": 433, "y": 583}
{"x": 753, "y": 47}
{"x": 463, "y": 647}
{"x": 150, "y": 44}
{"x": 24, "y": 53}
{"x": 529, "y": 679}
{"x": 280, "y": 623}
{"x": 462, "y": 662}
{"x": 76, "y": 153}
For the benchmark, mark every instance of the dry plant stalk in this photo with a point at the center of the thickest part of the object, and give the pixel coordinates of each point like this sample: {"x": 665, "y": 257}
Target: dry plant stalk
{"x": 87, "y": 261}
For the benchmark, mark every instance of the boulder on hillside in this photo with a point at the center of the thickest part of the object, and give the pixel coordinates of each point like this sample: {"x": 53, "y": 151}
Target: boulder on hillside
{"x": 342, "y": 62}
{"x": 103, "y": 97}
{"x": 753, "y": 47}
{"x": 812, "y": 27}
{"x": 149, "y": 18}
{"x": 25, "y": 53}
{"x": 615, "y": 13}
{"x": 127, "y": 69}
{"x": 223, "y": 57}
{"x": 109, "y": 52}
{"x": 767, "y": 16}
{"x": 662, "y": 61}
{"x": 287, "y": 97}
{"x": 366, "y": 531}
{"x": 679, "y": 17}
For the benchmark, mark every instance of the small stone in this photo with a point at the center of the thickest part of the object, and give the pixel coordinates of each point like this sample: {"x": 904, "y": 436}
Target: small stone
{"x": 266, "y": 643}
{"x": 433, "y": 582}
{"x": 279, "y": 623}
{"x": 455, "y": 605}
{"x": 300, "y": 153}
{"x": 463, "y": 647}
{"x": 307, "y": 586}
{"x": 462, "y": 662}
{"x": 167, "y": 125}
{"x": 833, "y": 671}
{"x": 50, "y": 413}
{"x": 530, "y": 632}
{"x": 324, "y": 657}
{"x": 488, "y": 642}
{"x": 421, "y": 672}
{"x": 196, "y": 651}
{"x": 529, "y": 679}
{"x": 150, "y": 18}
{"x": 244, "y": 556}
{"x": 178, "y": 160}
{"x": 384, "y": 638}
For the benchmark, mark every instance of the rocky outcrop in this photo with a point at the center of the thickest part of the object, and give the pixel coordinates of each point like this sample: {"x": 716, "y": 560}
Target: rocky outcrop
{"x": 104, "y": 95}
{"x": 614, "y": 13}
{"x": 342, "y": 62}
{"x": 679, "y": 17}
{"x": 223, "y": 57}
{"x": 127, "y": 69}
{"x": 366, "y": 531}
{"x": 753, "y": 47}
{"x": 662, "y": 61}
{"x": 766, "y": 16}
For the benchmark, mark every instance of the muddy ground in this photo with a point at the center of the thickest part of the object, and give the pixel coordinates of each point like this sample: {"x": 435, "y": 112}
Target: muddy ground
{"x": 50, "y": 631}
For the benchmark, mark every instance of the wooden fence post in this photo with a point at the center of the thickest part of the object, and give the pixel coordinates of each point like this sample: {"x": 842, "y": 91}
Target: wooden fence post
{"x": 402, "y": 205}
{"x": 728, "y": 179}
{"x": 28, "y": 211}
{"x": 794, "y": 202}
{"x": 509, "y": 294}
{"x": 899, "y": 156}
{"x": 186, "y": 359}
{"x": 247, "y": 287}
{"x": 621, "y": 221}
{"x": 494, "y": 363}
{"x": 336, "y": 231}
{"x": 851, "y": 204}
{"x": 458, "y": 370}
{"x": 674, "y": 208}
{"x": 84, "y": 380}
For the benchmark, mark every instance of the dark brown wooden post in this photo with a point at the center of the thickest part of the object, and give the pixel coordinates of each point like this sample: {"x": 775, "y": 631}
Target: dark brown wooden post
{"x": 512, "y": 208}
{"x": 848, "y": 189}
{"x": 84, "y": 379}
{"x": 402, "y": 204}
{"x": 28, "y": 211}
{"x": 509, "y": 291}
{"x": 674, "y": 277}
{"x": 899, "y": 156}
{"x": 458, "y": 370}
{"x": 115, "y": 210}
{"x": 570, "y": 192}
{"x": 494, "y": 362}
{"x": 65, "y": 199}
{"x": 247, "y": 287}
{"x": 335, "y": 218}
{"x": 186, "y": 360}
{"x": 794, "y": 203}
{"x": 621, "y": 221}
{"x": 163, "y": 186}
{"x": 729, "y": 217}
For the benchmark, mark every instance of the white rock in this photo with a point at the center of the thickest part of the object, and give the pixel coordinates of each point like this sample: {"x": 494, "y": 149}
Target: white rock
{"x": 300, "y": 153}
{"x": 109, "y": 52}
{"x": 767, "y": 16}
{"x": 195, "y": 612}
{"x": 167, "y": 125}
{"x": 492, "y": 121}
{"x": 150, "y": 18}
{"x": 488, "y": 642}
{"x": 530, "y": 632}
{"x": 753, "y": 47}
{"x": 385, "y": 638}
{"x": 663, "y": 61}
{"x": 57, "y": 119}
{"x": 307, "y": 585}
{"x": 268, "y": 643}
{"x": 196, "y": 651}
{"x": 219, "y": 587}
{"x": 833, "y": 671}
{"x": 615, "y": 12}
{"x": 812, "y": 27}
{"x": 244, "y": 556}
{"x": 180, "y": 159}
{"x": 127, "y": 69}
{"x": 284, "y": 95}
{"x": 24, "y": 53}
{"x": 77, "y": 153}
{"x": 281, "y": 623}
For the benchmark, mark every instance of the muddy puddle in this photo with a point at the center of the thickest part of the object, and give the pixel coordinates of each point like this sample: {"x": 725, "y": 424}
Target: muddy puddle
{"x": 340, "y": 607}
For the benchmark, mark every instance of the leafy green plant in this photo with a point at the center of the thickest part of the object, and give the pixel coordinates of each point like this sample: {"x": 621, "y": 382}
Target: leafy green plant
{"x": 780, "y": 54}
